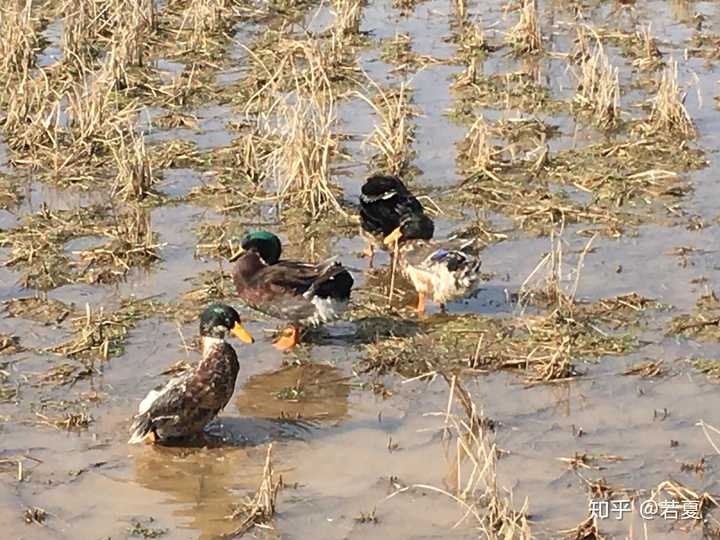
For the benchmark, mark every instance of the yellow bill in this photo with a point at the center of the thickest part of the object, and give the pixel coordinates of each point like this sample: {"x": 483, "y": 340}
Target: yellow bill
{"x": 393, "y": 237}
{"x": 236, "y": 255}
{"x": 242, "y": 334}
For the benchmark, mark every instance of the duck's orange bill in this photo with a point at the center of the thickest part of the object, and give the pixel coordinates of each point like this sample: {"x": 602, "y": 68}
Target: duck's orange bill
{"x": 242, "y": 334}
{"x": 393, "y": 237}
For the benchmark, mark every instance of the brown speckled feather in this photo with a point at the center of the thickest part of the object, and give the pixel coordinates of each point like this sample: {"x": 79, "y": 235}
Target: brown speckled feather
{"x": 186, "y": 404}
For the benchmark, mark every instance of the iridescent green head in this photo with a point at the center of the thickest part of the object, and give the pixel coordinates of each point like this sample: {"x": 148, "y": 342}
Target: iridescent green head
{"x": 265, "y": 244}
{"x": 219, "y": 319}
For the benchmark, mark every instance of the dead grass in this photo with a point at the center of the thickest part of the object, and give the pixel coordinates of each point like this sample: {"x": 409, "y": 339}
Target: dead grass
{"x": 68, "y": 422}
{"x": 19, "y": 42}
{"x": 703, "y": 325}
{"x": 175, "y": 153}
{"x": 669, "y": 115}
{"x": 78, "y": 40}
{"x": 399, "y": 51}
{"x": 476, "y": 152}
{"x": 37, "y": 247}
{"x": 131, "y": 244}
{"x": 348, "y": 16}
{"x": 616, "y": 185}
{"x": 675, "y": 491}
{"x": 392, "y": 136}
{"x": 10, "y": 192}
{"x": 259, "y": 510}
{"x": 588, "y": 529}
{"x": 135, "y": 177}
{"x": 598, "y": 88}
{"x": 525, "y": 37}
{"x": 44, "y": 310}
{"x": 301, "y": 163}
{"x": 31, "y": 114}
{"x": 8, "y": 345}
{"x": 503, "y": 91}
{"x": 541, "y": 348}
{"x": 207, "y": 287}
{"x": 650, "y": 57}
{"x": 100, "y": 335}
{"x": 708, "y": 366}
{"x": 203, "y": 23}
{"x": 472, "y": 46}
{"x": 323, "y": 68}
{"x": 96, "y": 119}
{"x": 649, "y": 369}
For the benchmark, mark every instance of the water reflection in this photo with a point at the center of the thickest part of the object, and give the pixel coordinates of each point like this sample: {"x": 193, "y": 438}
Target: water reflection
{"x": 308, "y": 391}
{"x": 202, "y": 483}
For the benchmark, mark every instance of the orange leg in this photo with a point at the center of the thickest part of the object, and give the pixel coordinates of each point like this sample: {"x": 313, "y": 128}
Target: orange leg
{"x": 369, "y": 252}
{"x": 152, "y": 438}
{"x": 289, "y": 338}
{"x": 421, "y": 304}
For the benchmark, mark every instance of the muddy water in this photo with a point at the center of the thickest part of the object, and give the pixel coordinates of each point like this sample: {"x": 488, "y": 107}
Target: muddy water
{"x": 337, "y": 444}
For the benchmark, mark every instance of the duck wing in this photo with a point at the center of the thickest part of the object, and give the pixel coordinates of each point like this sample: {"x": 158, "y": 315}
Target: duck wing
{"x": 307, "y": 279}
{"x": 457, "y": 256}
{"x": 287, "y": 288}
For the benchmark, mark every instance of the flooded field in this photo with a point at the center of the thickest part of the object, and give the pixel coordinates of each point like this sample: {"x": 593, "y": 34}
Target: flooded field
{"x": 577, "y": 140}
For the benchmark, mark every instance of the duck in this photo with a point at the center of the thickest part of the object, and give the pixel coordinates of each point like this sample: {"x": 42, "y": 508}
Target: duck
{"x": 303, "y": 294}
{"x": 185, "y": 404}
{"x": 384, "y": 202}
{"x": 444, "y": 270}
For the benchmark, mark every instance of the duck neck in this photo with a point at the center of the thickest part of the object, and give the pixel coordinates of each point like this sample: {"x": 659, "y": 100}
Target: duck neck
{"x": 208, "y": 344}
{"x": 249, "y": 264}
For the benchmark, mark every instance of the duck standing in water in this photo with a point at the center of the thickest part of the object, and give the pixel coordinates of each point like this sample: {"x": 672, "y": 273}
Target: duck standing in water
{"x": 303, "y": 294}
{"x": 384, "y": 202}
{"x": 187, "y": 403}
{"x": 444, "y": 270}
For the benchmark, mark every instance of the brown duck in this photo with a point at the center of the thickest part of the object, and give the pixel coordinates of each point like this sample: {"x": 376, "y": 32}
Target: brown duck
{"x": 187, "y": 403}
{"x": 303, "y": 294}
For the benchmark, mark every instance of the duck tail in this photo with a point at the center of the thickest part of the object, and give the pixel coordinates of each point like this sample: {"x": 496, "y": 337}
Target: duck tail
{"x": 140, "y": 429}
{"x": 470, "y": 271}
{"x": 334, "y": 282}
{"x": 463, "y": 263}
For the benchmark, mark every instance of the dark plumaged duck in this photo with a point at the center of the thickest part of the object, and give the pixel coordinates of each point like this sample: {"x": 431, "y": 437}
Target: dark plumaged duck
{"x": 187, "y": 403}
{"x": 303, "y": 294}
{"x": 443, "y": 270}
{"x": 384, "y": 203}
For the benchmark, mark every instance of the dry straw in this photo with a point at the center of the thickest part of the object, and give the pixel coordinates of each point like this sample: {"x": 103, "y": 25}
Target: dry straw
{"x": 80, "y": 25}
{"x": 393, "y": 135}
{"x": 669, "y": 115}
{"x": 134, "y": 177}
{"x": 131, "y": 25}
{"x": 477, "y": 152}
{"x": 259, "y": 510}
{"x": 18, "y": 41}
{"x": 203, "y": 20}
{"x": 598, "y": 89}
{"x": 302, "y": 159}
{"x": 348, "y": 16}
{"x": 525, "y": 37}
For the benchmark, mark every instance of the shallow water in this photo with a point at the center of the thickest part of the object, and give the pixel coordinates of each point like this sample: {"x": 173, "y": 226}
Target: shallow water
{"x": 338, "y": 444}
